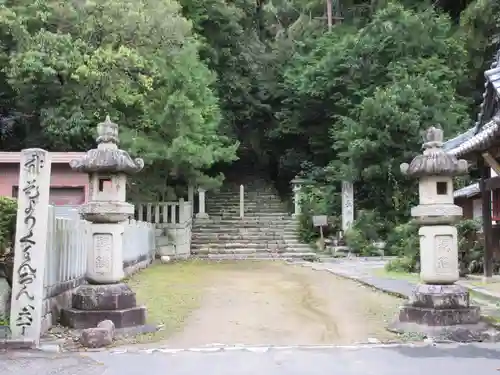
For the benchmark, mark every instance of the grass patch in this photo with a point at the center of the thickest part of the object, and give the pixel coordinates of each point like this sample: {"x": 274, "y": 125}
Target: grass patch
{"x": 381, "y": 272}
{"x": 172, "y": 291}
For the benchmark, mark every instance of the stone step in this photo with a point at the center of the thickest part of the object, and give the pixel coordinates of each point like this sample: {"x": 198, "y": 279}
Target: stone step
{"x": 246, "y": 250}
{"x": 213, "y": 237}
{"x": 245, "y": 240}
{"x": 264, "y": 226}
{"x": 236, "y": 201}
{"x": 258, "y": 210}
{"x": 258, "y": 256}
{"x": 238, "y": 244}
{"x": 248, "y": 213}
{"x": 237, "y": 230}
{"x": 248, "y": 194}
{"x": 250, "y": 220}
{"x": 229, "y": 247}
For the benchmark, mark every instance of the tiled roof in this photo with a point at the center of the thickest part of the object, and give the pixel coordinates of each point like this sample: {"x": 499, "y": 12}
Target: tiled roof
{"x": 481, "y": 135}
{"x": 493, "y": 77}
{"x": 467, "y": 192}
{"x": 470, "y": 142}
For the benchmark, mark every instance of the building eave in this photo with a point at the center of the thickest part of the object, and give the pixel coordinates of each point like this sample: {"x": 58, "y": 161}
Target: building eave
{"x": 56, "y": 157}
{"x": 467, "y": 192}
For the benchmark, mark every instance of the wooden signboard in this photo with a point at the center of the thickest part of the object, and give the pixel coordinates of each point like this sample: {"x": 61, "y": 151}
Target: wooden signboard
{"x": 320, "y": 221}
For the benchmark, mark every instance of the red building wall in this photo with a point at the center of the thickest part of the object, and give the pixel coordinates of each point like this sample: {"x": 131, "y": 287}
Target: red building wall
{"x": 67, "y": 186}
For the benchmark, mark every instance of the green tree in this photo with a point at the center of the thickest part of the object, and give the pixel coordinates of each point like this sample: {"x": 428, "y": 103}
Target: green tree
{"x": 358, "y": 99}
{"x": 68, "y": 64}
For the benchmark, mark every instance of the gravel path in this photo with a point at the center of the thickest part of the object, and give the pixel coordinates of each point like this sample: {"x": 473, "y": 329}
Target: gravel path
{"x": 279, "y": 304}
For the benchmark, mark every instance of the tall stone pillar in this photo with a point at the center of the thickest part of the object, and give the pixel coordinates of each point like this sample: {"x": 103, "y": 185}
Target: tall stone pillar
{"x": 297, "y": 186}
{"x": 438, "y": 307}
{"x": 105, "y": 296}
{"x": 30, "y": 245}
{"x": 347, "y": 205}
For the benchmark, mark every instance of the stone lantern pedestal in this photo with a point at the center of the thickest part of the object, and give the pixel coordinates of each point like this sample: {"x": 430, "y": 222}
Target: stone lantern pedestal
{"x": 105, "y": 297}
{"x": 438, "y": 307}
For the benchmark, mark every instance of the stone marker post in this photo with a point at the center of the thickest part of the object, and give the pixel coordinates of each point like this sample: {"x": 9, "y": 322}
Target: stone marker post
{"x": 347, "y": 205}
{"x": 438, "y": 307}
{"x": 30, "y": 245}
{"x": 105, "y": 297}
{"x": 242, "y": 201}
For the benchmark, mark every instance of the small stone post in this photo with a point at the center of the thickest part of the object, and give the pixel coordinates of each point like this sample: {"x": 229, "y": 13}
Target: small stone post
{"x": 201, "y": 207}
{"x": 191, "y": 197}
{"x": 296, "y": 186}
{"x": 242, "y": 201}
{"x": 30, "y": 245}
{"x": 105, "y": 297}
{"x": 438, "y": 307}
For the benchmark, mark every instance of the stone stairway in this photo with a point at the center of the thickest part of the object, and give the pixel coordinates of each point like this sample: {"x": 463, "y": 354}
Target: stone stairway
{"x": 266, "y": 231}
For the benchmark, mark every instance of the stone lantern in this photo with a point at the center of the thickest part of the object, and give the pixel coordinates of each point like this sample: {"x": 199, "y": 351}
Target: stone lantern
{"x": 438, "y": 307}
{"x": 105, "y": 297}
{"x": 297, "y": 184}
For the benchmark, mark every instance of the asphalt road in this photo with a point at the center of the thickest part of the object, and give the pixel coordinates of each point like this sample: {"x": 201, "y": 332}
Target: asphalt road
{"x": 456, "y": 359}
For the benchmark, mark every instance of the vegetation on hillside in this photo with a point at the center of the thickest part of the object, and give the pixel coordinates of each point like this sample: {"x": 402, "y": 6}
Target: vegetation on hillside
{"x": 191, "y": 82}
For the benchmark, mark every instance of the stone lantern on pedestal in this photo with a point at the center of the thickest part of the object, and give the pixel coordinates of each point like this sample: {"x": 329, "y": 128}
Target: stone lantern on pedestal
{"x": 105, "y": 297}
{"x": 438, "y": 307}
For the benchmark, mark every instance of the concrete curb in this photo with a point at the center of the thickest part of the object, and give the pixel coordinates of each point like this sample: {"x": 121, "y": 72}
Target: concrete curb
{"x": 481, "y": 293}
{"x": 370, "y": 285}
{"x": 360, "y": 281}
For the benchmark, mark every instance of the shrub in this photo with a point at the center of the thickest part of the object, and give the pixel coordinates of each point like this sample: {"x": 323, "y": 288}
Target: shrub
{"x": 404, "y": 264}
{"x": 318, "y": 200}
{"x": 470, "y": 247}
{"x": 403, "y": 240}
{"x": 8, "y": 211}
{"x": 366, "y": 230}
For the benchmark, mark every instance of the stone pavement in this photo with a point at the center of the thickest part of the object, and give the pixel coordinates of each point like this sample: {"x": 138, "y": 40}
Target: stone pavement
{"x": 458, "y": 359}
{"x": 362, "y": 271}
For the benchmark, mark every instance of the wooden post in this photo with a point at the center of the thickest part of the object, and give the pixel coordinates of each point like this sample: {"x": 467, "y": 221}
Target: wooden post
{"x": 487, "y": 225}
{"x": 329, "y": 14}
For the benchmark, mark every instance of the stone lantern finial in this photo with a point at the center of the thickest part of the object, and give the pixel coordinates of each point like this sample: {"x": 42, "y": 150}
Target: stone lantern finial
{"x": 107, "y": 132}
{"x": 434, "y": 161}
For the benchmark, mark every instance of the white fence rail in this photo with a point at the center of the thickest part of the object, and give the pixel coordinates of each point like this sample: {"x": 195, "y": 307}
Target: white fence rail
{"x": 138, "y": 242}
{"x": 66, "y": 261}
{"x": 164, "y": 212}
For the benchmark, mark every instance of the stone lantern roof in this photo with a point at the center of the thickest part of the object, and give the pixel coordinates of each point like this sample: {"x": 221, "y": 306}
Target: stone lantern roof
{"x": 434, "y": 161}
{"x": 107, "y": 157}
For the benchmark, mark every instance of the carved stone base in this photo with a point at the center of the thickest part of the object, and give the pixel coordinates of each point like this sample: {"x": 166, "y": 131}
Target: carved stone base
{"x": 91, "y": 304}
{"x": 440, "y": 311}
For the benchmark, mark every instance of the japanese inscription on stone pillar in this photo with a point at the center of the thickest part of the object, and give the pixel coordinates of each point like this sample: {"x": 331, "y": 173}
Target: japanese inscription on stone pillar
{"x": 347, "y": 205}
{"x": 103, "y": 247}
{"x": 30, "y": 244}
{"x": 444, "y": 261}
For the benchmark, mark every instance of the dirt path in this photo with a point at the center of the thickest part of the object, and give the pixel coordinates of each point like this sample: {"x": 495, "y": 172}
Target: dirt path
{"x": 278, "y": 304}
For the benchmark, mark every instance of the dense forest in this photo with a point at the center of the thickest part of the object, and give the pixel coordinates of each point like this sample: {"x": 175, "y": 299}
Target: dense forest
{"x": 195, "y": 84}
